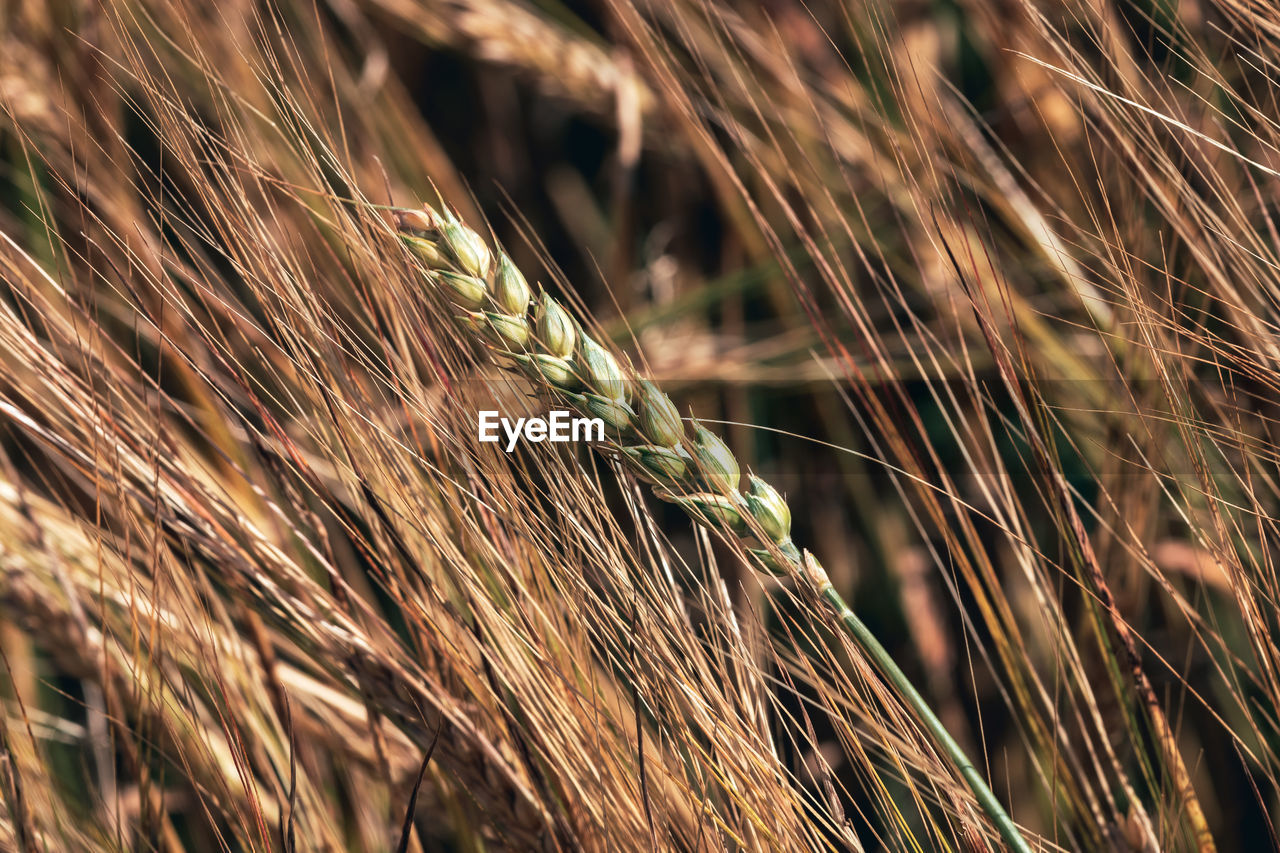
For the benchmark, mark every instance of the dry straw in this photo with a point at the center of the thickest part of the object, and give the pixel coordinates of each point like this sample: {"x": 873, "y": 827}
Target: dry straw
{"x": 697, "y": 472}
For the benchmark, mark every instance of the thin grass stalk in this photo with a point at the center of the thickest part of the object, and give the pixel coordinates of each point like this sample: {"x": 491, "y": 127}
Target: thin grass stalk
{"x": 858, "y": 630}
{"x": 647, "y": 435}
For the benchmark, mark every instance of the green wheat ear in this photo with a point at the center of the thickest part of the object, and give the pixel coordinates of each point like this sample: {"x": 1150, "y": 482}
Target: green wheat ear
{"x": 697, "y": 473}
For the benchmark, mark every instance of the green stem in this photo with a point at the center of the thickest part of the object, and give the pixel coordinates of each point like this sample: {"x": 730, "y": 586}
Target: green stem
{"x": 986, "y": 799}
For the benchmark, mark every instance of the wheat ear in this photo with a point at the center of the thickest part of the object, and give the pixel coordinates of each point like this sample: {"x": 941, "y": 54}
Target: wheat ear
{"x": 698, "y": 472}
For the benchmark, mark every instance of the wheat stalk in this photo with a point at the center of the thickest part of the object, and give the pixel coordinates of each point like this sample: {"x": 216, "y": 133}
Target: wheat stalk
{"x": 646, "y": 433}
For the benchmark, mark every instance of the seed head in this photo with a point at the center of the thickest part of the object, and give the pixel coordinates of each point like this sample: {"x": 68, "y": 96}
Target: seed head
{"x": 616, "y": 414}
{"x": 420, "y": 221}
{"x": 814, "y": 572}
{"x": 510, "y": 333}
{"x": 715, "y": 510}
{"x": 554, "y": 327}
{"x": 468, "y": 291}
{"x": 555, "y": 371}
{"x": 663, "y": 465}
{"x": 510, "y": 290}
{"x": 770, "y": 509}
{"x": 771, "y": 563}
{"x": 659, "y": 420}
{"x": 719, "y": 468}
{"x": 602, "y": 370}
{"x": 781, "y": 562}
{"x": 466, "y": 248}
{"x": 426, "y": 250}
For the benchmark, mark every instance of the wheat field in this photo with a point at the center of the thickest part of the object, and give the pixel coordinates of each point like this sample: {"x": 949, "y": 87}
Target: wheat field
{"x": 936, "y": 345}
